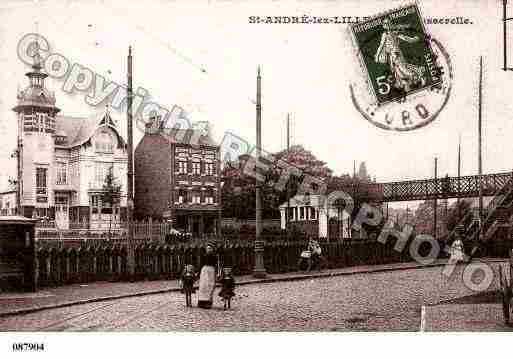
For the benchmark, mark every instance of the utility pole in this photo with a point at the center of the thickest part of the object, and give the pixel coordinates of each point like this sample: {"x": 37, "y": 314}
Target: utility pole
{"x": 504, "y": 19}
{"x": 459, "y": 178}
{"x": 480, "y": 148}
{"x": 259, "y": 270}
{"x": 287, "y": 214}
{"x": 130, "y": 173}
{"x": 435, "y": 206}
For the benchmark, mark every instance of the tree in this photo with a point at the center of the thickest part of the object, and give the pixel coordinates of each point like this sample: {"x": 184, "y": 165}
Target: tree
{"x": 424, "y": 216}
{"x": 111, "y": 194}
{"x": 238, "y": 190}
{"x": 459, "y": 214}
{"x": 303, "y": 159}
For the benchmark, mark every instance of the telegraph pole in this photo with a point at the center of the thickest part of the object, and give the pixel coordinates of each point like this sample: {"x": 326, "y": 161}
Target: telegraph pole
{"x": 130, "y": 173}
{"x": 259, "y": 270}
{"x": 504, "y": 19}
{"x": 459, "y": 177}
{"x": 435, "y": 204}
{"x": 287, "y": 214}
{"x": 480, "y": 148}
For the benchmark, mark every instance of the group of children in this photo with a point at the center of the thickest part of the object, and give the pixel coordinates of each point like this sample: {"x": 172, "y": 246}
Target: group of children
{"x": 189, "y": 277}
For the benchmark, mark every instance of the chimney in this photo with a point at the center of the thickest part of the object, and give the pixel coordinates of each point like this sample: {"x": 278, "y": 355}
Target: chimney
{"x": 153, "y": 126}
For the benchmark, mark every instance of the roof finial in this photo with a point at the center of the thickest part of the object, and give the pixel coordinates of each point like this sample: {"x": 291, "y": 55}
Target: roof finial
{"x": 258, "y": 71}
{"x": 37, "y": 57}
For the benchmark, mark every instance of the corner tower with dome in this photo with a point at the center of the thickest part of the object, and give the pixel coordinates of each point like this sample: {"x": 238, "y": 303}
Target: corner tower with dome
{"x": 63, "y": 160}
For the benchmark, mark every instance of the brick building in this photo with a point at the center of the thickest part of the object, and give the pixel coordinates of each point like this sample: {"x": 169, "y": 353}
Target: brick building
{"x": 177, "y": 178}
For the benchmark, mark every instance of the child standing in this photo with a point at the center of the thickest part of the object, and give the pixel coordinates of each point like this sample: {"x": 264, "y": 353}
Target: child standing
{"x": 188, "y": 278}
{"x": 227, "y": 287}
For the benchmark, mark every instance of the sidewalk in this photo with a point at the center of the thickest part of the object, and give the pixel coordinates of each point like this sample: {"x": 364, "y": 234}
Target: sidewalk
{"x": 57, "y": 297}
{"x": 480, "y": 317}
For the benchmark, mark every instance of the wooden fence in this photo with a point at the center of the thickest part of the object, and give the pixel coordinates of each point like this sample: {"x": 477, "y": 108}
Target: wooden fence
{"x": 237, "y": 223}
{"x": 58, "y": 266}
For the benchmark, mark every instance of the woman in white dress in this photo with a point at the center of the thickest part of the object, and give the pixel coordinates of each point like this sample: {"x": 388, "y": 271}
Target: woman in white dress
{"x": 207, "y": 280}
{"x": 457, "y": 252}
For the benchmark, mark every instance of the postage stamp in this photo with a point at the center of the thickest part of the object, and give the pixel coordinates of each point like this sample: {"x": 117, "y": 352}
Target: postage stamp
{"x": 397, "y": 58}
{"x": 407, "y": 72}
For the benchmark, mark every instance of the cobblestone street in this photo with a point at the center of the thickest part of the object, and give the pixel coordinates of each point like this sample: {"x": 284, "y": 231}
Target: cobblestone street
{"x": 387, "y": 301}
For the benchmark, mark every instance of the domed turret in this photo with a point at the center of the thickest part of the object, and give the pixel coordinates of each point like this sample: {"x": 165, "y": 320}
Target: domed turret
{"x": 36, "y": 104}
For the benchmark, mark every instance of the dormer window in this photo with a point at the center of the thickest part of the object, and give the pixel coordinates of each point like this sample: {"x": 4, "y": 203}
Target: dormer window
{"x": 104, "y": 143}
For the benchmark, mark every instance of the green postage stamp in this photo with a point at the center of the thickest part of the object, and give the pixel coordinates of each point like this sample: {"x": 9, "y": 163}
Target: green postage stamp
{"x": 397, "y": 54}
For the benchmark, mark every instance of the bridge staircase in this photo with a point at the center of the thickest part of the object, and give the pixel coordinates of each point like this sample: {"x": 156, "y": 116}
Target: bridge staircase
{"x": 497, "y": 221}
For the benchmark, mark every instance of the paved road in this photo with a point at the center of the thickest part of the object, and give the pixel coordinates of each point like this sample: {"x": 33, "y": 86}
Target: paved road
{"x": 380, "y": 301}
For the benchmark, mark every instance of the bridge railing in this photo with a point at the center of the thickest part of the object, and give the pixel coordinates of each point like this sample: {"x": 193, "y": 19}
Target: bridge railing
{"x": 451, "y": 187}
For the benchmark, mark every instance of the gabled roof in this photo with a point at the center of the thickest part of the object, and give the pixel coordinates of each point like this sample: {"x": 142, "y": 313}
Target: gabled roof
{"x": 79, "y": 130}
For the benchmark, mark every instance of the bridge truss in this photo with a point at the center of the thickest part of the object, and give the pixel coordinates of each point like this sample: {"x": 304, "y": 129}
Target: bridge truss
{"x": 430, "y": 189}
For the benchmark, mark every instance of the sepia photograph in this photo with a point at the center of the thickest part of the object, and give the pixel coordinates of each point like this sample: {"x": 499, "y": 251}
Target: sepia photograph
{"x": 286, "y": 167}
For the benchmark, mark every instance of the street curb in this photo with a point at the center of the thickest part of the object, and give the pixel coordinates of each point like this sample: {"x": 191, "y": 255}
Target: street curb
{"x": 246, "y": 282}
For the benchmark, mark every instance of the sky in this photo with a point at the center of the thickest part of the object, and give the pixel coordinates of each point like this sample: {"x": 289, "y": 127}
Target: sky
{"x": 304, "y": 72}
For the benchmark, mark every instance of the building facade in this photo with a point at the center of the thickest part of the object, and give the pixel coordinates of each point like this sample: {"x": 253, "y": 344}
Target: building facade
{"x": 177, "y": 178}
{"x": 312, "y": 214}
{"x": 63, "y": 160}
{"x": 8, "y": 203}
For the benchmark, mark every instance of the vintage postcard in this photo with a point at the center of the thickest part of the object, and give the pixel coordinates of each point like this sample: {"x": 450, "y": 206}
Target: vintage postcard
{"x": 233, "y": 166}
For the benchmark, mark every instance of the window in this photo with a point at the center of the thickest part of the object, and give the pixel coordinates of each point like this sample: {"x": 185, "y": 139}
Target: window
{"x": 301, "y": 212}
{"x": 104, "y": 143}
{"x": 41, "y": 212}
{"x": 40, "y": 122}
{"x": 41, "y": 175}
{"x": 196, "y": 168}
{"x": 209, "y": 197}
{"x": 291, "y": 213}
{"x": 106, "y": 208}
{"x": 102, "y": 169}
{"x": 29, "y": 122}
{"x": 95, "y": 203}
{"x": 182, "y": 195}
{"x": 61, "y": 173}
{"x": 196, "y": 198}
{"x": 209, "y": 169}
{"x": 312, "y": 213}
{"x": 182, "y": 167}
